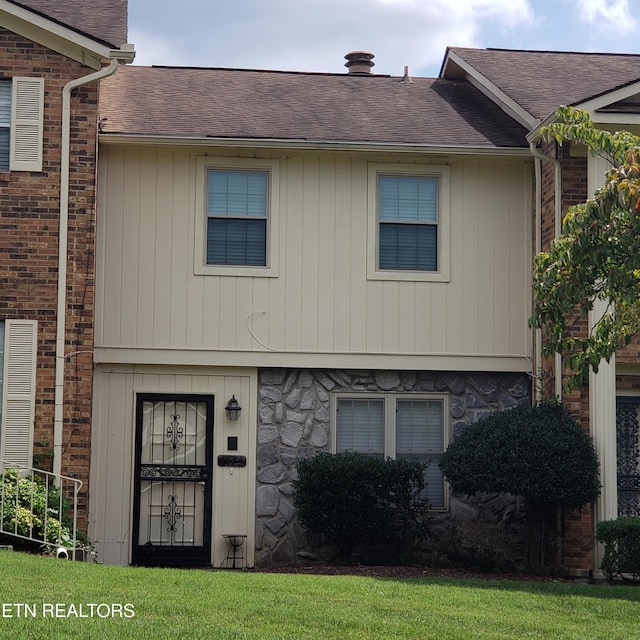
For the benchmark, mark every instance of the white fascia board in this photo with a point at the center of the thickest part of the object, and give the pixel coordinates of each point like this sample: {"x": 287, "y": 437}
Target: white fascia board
{"x": 494, "y": 93}
{"x": 53, "y": 35}
{"x": 592, "y": 105}
{"x": 534, "y": 134}
{"x": 621, "y": 120}
{"x": 604, "y": 100}
{"x": 320, "y": 145}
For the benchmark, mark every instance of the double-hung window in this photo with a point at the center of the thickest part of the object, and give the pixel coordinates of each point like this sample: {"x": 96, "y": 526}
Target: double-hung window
{"x": 21, "y": 124}
{"x": 389, "y": 425}
{"x": 236, "y": 217}
{"x": 408, "y": 218}
{"x": 408, "y": 222}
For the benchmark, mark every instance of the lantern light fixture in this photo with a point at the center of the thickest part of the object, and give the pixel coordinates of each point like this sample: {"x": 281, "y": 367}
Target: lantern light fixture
{"x": 233, "y": 409}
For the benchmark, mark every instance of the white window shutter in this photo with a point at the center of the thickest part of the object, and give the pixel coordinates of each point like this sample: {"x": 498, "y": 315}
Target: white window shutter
{"x": 27, "y": 122}
{"x": 18, "y": 397}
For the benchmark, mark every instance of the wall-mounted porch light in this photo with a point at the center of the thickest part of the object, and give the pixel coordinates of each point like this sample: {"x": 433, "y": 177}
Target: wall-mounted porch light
{"x": 233, "y": 409}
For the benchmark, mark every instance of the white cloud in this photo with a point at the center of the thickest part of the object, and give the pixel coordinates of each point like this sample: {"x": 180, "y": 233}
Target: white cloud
{"x": 314, "y": 36}
{"x": 608, "y": 15}
{"x": 150, "y": 49}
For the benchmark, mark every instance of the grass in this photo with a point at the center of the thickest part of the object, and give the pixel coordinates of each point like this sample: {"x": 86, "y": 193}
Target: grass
{"x": 194, "y": 604}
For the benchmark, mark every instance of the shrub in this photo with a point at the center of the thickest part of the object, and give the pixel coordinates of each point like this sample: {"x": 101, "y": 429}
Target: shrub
{"x": 357, "y": 499}
{"x": 621, "y": 540}
{"x": 540, "y": 453}
{"x": 25, "y": 511}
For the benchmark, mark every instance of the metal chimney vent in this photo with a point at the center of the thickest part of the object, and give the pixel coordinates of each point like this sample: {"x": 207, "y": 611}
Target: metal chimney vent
{"x": 359, "y": 62}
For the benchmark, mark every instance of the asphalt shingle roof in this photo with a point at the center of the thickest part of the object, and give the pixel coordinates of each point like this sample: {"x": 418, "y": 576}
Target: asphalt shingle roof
{"x": 541, "y": 81}
{"x": 101, "y": 20}
{"x": 228, "y": 103}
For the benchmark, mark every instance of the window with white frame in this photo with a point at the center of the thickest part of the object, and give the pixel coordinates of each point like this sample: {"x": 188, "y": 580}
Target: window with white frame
{"x": 236, "y": 210}
{"x": 396, "y": 426}
{"x": 408, "y": 222}
{"x": 21, "y": 124}
{"x": 237, "y": 204}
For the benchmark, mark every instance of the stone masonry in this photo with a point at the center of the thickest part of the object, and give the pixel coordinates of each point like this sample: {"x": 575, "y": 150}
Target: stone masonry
{"x": 294, "y": 422}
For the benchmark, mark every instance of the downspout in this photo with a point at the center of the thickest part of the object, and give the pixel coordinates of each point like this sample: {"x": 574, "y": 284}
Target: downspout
{"x": 58, "y": 414}
{"x": 539, "y": 156}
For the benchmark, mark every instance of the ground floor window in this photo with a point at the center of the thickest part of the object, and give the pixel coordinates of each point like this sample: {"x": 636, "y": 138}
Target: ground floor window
{"x": 396, "y": 426}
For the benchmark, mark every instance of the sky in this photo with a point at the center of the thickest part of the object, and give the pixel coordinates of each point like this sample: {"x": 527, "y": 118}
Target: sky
{"x": 314, "y": 35}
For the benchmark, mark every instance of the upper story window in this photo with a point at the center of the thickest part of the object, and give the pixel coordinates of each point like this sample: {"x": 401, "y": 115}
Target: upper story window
{"x": 408, "y": 218}
{"x": 21, "y": 124}
{"x": 408, "y": 222}
{"x": 237, "y": 210}
{"x": 237, "y": 217}
{"x": 5, "y": 123}
{"x": 396, "y": 426}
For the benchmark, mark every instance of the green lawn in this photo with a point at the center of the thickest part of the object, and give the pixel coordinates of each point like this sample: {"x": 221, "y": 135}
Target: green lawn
{"x": 193, "y": 604}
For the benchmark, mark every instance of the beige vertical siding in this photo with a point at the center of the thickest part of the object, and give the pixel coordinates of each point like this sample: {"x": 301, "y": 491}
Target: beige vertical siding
{"x": 113, "y": 451}
{"x": 321, "y": 299}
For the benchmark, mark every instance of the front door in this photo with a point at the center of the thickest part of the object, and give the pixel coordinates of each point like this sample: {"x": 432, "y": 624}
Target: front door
{"x": 628, "y": 454}
{"x": 173, "y": 480}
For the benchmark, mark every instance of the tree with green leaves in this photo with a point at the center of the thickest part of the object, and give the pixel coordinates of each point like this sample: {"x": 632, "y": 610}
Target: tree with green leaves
{"x": 540, "y": 453}
{"x": 597, "y": 256}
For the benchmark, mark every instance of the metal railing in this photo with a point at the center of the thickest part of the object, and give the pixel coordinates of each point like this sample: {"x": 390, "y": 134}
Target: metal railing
{"x": 39, "y": 506}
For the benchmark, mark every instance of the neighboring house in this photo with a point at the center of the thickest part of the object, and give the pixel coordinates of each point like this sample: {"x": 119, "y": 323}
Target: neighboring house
{"x": 48, "y": 131}
{"x": 531, "y": 85}
{"x": 346, "y": 257}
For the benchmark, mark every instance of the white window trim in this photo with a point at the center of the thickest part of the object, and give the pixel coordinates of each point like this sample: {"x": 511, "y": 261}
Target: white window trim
{"x": 442, "y": 173}
{"x": 389, "y": 419}
{"x": 272, "y": 167}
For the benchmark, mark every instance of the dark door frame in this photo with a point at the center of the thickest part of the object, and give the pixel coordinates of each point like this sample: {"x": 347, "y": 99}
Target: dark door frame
{"x": 145, "y": 553}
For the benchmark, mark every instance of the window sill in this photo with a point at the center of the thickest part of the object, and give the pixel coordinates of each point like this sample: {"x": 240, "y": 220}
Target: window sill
{"x": 409, "y": 276}
{"x": 235, "y": 271}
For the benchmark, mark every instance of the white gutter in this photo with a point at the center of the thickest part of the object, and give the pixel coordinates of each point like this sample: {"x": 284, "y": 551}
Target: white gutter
{"x": 315, "y": 145}
{"x": 539, "y": 156}
{"x": 116, "y": 56}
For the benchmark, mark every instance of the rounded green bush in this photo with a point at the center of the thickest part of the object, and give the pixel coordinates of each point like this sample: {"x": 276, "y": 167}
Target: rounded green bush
{"x": 539, "y": 452}
{"x": 358, "y": 499}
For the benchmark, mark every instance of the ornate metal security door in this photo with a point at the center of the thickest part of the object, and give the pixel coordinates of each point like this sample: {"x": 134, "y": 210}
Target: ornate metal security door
{"x": 173, "y": 481}
{"x": 628, "y": 452}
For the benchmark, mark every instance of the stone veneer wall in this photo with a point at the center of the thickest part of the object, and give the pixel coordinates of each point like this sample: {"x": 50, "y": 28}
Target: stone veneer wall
{"x": 294, "y": 421}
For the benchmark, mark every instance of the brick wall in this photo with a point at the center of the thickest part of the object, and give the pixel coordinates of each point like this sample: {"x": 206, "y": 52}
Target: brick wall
{"x": 578, "y": 526}
{"x": 29, "y": 216}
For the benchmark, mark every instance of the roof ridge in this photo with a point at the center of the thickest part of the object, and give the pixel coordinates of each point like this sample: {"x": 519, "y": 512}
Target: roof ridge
{"x": 550, "y": 51}
{"x": 276, "y": 71}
